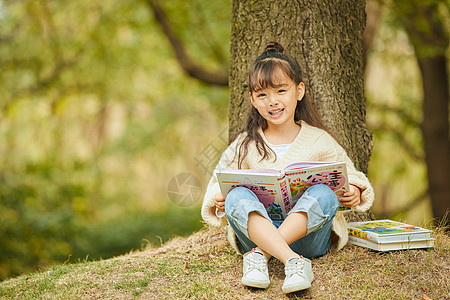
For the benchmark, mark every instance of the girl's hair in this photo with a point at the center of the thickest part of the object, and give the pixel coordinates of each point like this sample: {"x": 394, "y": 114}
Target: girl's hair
{"x": 261, "y": 76}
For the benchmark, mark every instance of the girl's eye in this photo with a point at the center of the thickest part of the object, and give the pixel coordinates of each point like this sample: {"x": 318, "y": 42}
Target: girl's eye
{"x": 262, "y": 95}
{"x": 281, "y": 91}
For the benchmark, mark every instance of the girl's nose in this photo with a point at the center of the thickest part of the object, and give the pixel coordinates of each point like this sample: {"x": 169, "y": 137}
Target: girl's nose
{"x": 273, "y": 101}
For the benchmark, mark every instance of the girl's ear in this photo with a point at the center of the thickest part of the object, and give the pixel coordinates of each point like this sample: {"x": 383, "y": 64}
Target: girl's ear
{"x": 300, "y": 91}
{"x": 251, "y": 98}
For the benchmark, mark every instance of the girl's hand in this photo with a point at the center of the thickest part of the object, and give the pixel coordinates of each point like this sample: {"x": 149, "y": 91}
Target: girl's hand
{"x": 219, "y": 200}
{"x": 351, "y": 198}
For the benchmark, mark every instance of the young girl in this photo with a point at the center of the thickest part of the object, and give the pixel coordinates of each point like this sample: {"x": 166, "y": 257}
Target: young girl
{"x": 282, "y": 128}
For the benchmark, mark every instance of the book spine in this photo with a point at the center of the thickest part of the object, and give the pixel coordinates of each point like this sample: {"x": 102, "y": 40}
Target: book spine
{"x": 362, "y": 234}
{"x": 285, "y": 195}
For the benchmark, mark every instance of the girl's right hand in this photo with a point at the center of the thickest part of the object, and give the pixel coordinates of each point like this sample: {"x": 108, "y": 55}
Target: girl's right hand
{"x": 219, "y": 200}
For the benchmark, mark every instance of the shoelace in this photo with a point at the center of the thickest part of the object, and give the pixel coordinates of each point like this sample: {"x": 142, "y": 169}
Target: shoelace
{"x": 295, "y": 267}
{"x": 255, "y": 262}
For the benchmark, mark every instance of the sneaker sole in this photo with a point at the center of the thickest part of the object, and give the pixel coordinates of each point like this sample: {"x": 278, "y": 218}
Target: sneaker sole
{"x": 296, "y": 287}
{"x": 255, "y": 284}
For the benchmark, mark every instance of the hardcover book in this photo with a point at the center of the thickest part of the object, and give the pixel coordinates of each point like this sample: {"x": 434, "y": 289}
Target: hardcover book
{"x": 390, "y": 246}
{"x": 279, "y": 191}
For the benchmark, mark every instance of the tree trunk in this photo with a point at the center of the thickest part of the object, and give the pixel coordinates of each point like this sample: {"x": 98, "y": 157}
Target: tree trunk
{"x": 435, "y": 132}
{"x": 427, "y": 34}
{"x": 326, "y": 37}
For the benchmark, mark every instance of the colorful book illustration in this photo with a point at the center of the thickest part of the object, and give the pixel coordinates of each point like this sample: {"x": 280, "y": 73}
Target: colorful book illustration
{"x": 387, "y": 231}
{"x": 390, "y": 246}
{"x": 279, "y": 191}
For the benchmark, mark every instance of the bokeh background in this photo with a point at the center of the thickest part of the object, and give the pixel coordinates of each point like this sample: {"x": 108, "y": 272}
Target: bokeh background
{"x": 103, "y": 136}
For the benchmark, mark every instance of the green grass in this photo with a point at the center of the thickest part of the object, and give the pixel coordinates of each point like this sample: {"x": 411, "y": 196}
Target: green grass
{"x": 203, "y": 266}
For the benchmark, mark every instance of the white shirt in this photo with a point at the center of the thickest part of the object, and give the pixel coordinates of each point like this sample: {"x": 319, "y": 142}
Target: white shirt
{"x": 280, "y": 150}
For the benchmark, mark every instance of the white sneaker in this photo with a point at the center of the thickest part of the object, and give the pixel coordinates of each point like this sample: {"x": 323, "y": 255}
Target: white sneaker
{"x": 299, "y": 274}
{"x": 256, "y": 273}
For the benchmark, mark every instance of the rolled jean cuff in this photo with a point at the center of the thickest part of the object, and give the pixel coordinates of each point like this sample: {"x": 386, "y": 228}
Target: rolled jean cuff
{"x": 240, "y": 211}
{"x": 316, "y": 217}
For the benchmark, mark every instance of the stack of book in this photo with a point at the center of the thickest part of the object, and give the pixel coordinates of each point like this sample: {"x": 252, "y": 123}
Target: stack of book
{"x": 387, "y": 235}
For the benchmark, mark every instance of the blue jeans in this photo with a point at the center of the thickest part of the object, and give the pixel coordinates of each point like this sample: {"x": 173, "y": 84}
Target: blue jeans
{"x": 319, "y": 202}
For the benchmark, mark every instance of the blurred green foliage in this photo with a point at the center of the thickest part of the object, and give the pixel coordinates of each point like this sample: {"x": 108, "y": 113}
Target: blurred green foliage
{"x": 96, "y": 117}
{"x": 394, "y": 115}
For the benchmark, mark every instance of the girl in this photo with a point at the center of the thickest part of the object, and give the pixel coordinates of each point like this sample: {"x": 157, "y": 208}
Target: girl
{"x": 282, "y": 127}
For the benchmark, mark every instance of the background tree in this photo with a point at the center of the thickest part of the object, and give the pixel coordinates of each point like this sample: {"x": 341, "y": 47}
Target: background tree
{"x": 423, "y": 24}
{"x": 427, "y": 33}
{"x": 186, "y": 62}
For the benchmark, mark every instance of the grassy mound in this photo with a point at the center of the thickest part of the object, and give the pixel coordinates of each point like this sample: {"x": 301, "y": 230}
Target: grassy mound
{"x": 203, "y": 266}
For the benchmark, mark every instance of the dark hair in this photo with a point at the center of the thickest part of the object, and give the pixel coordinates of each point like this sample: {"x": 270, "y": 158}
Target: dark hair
{"x": 260, "y": 76}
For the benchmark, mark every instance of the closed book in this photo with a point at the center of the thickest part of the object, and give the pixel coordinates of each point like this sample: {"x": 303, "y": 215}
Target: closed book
{"x": 390, "y": 246}
{"x": 380, "y": 231}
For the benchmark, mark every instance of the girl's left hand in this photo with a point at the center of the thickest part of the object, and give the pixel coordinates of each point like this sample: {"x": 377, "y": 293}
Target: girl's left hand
{"x": 351, "y": 198}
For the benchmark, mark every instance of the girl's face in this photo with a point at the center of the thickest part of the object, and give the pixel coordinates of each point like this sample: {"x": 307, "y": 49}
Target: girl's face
{"x": 277, "y": 103}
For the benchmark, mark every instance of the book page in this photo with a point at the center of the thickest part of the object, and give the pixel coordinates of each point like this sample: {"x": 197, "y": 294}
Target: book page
{"x": 266, "y": 187}
{"x": 333, "y": 175}
{"x": 251, "y": 171}
{"x": 307, "y": 164}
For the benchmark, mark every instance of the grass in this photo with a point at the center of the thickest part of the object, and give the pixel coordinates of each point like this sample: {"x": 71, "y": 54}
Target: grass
{"x": 203, "y": 266}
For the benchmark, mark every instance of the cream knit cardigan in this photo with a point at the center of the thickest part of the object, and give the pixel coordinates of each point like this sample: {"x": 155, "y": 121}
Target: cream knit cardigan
{"x": 311, "y": 144}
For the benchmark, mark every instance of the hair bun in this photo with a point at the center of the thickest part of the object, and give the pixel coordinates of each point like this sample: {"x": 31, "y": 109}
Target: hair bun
{"x": 274, "y": 46}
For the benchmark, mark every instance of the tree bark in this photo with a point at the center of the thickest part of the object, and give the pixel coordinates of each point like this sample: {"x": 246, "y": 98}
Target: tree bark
{"x": 326, "y": 37}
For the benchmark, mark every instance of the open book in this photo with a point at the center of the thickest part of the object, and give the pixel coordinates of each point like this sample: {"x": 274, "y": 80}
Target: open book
{"x": 280, "y": 190}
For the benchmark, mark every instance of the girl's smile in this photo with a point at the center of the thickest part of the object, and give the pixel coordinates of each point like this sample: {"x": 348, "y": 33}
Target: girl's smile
{"x": 276, "y": 113}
